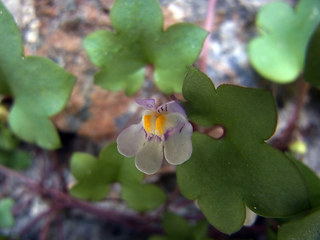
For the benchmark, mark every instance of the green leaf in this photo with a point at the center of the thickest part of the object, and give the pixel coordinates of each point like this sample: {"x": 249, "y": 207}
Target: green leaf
{"x": 2, "y": 237}
{"x": 94, "y": 177}
{"x": 15, "y": 159}
{"x": 305, "y": 228}
{"x": 177, "y": 228}
{"x": 8, "y": 141}
{"x": 156, "y": 237}
{"x": 239, "y": 169}
{"x": 91, "y": 176}
{"x": 312, "y": 181}
{"x": 270, "y": 233}
{"x": 178, "y": 47}
{"x": 200, "y": 230}
{"x": 10, "y": 155}
{"x": 159, "y": 237}
{"x": 11, "y": 46}
{"x": 312, "y": 65}
{"x": 279, "y": 53}
{"x": 6, "y": 218}
{"x": 40, "y": 88}
{"x": 139, "y": 40}
{"x": 143, "y": 197}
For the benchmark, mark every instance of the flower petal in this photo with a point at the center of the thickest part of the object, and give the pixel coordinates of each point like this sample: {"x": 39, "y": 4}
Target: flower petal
{"x": 149, "y": 158}
{"x": 149, "y": 104}
{"x": 131, "y": 139}
{"x": 172, "y": 106}
{"x": 250, "y": 217}
{"x": 178, "y": 147}
{"x": 174, "y": 123}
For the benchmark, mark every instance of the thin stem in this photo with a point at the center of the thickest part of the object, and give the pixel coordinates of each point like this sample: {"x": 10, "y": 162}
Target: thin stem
{"x": 67, "y": 201}
{"x": 207, "y": 26}
{"x": 59, "y": 170}
{"x": 60, "y": 228}
{"x": 45, "y": 230}
{"x": 34, "y": 221}
{"x": 284, "y": 140}
{"x": 171, "y": 199}
{"x": 16, "y": 175}
{"x": 21, "y": 206}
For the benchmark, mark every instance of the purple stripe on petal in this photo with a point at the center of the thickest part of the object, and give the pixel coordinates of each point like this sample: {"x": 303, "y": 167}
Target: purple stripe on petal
{"x": 149, "y": 104}
{"x": 150, "y": 137}
{"x": 172, "y": 106}
{"x": 180, "y": 130}
{"x": 169, "y": 133}
{"x": 153, "y": 137}
{"x": 175, "y": 130}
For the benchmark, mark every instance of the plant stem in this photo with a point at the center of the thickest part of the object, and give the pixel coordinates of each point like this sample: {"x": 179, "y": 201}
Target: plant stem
{"x": 67, "y": 201}
{"x": 207, "y": 26}
{"x": 286, "y": 137}
{"x": 45, "y": 230}
{"x": 29, "y": 225}
{"x": 170, "y": 200}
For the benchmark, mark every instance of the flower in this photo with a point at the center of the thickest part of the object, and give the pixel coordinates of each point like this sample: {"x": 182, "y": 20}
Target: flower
{"x": 163, "y": 132}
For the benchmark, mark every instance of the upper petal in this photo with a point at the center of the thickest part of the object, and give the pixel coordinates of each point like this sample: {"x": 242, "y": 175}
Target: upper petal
{"x": 131, "y": 139}
{"x": 178, "y": 147}
{"x": 172, "y": 106}
{"x": 149, "y": 158}
{"x": 149, "y": 104}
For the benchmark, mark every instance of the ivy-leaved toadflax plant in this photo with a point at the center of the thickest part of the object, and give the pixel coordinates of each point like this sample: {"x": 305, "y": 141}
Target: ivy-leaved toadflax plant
{"x": 162, "y": 132}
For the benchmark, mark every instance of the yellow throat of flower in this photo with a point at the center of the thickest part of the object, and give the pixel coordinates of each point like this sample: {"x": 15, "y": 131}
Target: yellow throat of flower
{"x": 154, "y": 123}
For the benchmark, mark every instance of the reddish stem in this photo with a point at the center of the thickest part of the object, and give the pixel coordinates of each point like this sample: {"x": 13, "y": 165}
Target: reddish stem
{"x": 207, "y": 26}
{"x": 45, "y": 230}
{"x": 34, "y": 221}
{"x": 286, "y": 137}
{"x": 170, "y": 200}
{"x": 67, "y": 201}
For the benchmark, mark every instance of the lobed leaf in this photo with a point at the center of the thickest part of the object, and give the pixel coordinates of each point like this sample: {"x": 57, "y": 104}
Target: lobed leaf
{"x": 130, "y": 17}
{"x": 239, "y": 169}
{"x": 90, "y": 174}
{"x": 143, "y": 197}
{"x": 177, "y": 228}
{"x": 312, "y": 182}
{"x": 10, "y": 155}
{"x": 40, "y": 88}
{"x": 138, "y": 40}
{"x": 94, "y": 177}
{"x": 177, "y": 48}
{"x": 279, "y": 53}
{"x": 307, "y": 227}
{"x": 8, "y": 141}
{"x": 16, "y": 159}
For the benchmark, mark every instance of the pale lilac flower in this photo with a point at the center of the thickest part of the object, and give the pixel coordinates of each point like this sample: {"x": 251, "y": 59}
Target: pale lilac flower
{"x": 163, "y": 132}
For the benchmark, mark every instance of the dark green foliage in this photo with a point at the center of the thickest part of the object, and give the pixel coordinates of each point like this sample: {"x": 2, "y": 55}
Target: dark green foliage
{"x": 138, "y": 39}
{"x": 239, "y": 169}
{"x": 39, "y": 87}
{"x": 94, "y": 177}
